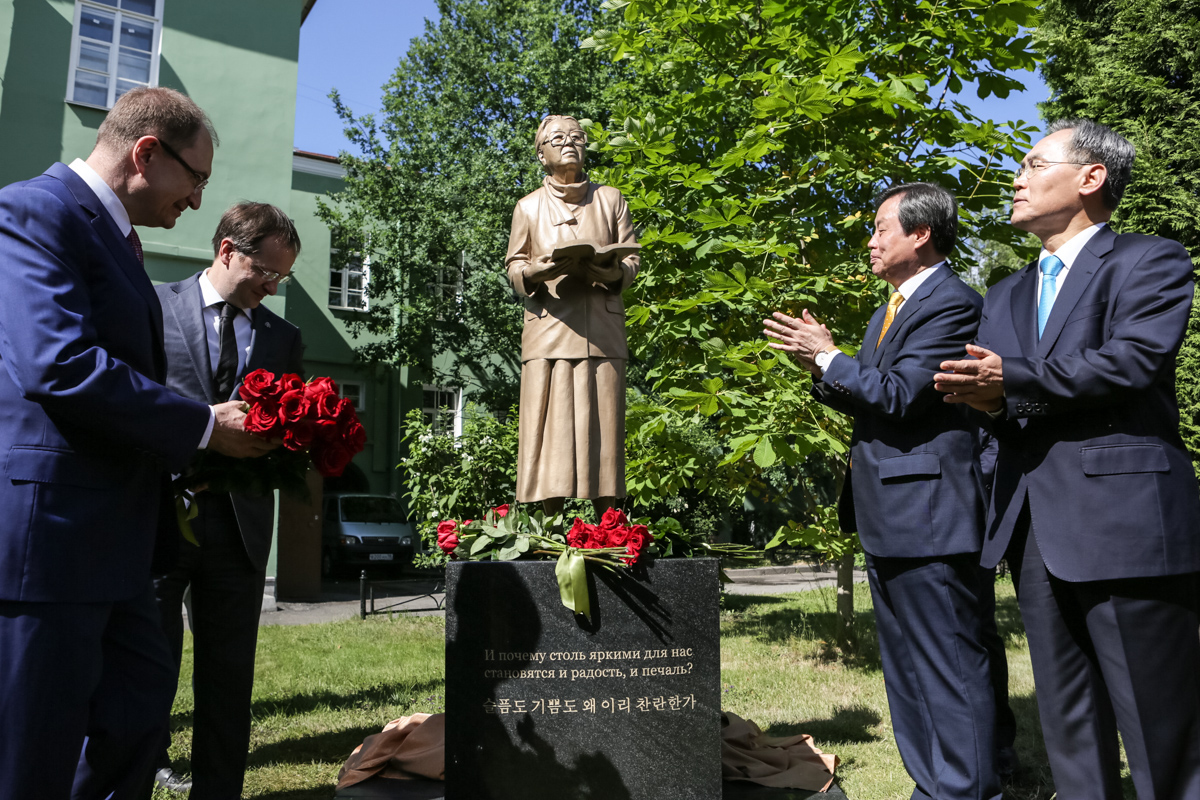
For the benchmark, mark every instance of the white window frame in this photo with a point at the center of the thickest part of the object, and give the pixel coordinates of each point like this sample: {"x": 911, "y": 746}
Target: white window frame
{"x": 441, "y": 289}
{"x": 346, "y": 271}
{"x": 458, "y": 406}
{"x": 361, "y": 405}
{"x": 114, "y": 47}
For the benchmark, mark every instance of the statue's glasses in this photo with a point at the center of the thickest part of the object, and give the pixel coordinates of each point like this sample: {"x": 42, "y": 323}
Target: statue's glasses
{"x": 560, "y": 139}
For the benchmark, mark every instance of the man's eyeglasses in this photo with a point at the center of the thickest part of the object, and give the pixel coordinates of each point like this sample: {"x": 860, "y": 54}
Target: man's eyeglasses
{"x": 201, "y": 181}
{"x": 1037, "y": 165}
{"x": 560, "y": 139}
{"x": 271, "y": 277}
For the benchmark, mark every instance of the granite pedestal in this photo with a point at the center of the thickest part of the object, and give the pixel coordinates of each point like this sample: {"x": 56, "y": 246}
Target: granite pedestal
{"x": 544, "y": 705}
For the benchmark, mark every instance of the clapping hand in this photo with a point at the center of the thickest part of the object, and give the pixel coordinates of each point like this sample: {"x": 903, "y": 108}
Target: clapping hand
{"x": 803, "y": 338}
{"x": 977, "y": 381}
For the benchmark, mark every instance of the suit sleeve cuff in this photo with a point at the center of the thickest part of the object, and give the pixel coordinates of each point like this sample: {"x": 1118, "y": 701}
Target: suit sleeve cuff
{"x": 212, "y": 420}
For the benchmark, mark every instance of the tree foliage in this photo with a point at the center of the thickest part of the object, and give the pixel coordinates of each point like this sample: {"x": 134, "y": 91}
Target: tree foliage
{"x": 430, "y": 200}
{"x": 1135, "y": 66}
{"x": 749, "y": 143}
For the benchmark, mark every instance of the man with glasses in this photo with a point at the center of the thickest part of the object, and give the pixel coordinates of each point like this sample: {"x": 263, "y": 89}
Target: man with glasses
{"x": 88, "y": 437}
{"x": 1094, "y": 501}
{"x": 217, "y": 330}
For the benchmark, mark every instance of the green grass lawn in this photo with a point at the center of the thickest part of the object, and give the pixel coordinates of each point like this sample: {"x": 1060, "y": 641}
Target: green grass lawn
{"x": 319, "y": 689}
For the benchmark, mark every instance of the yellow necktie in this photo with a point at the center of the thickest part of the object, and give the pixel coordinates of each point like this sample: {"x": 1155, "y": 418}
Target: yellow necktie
{"x": 893, "y": 303}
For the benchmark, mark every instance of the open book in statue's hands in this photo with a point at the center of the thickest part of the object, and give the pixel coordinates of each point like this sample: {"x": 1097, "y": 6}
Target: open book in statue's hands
{"x": 594, "y": 262}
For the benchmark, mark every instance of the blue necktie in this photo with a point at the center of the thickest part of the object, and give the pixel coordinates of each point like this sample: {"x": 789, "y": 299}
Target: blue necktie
{"x": 1050, "y": 267}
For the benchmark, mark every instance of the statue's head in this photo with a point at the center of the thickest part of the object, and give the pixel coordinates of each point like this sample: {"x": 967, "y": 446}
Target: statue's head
{"x": 561, "y": 144}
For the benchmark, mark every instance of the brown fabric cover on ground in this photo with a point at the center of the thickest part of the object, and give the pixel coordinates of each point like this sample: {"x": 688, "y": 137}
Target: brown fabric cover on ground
{"x": 409, "y": 747}
{"x": 791, "y": 762}
{"x": 415, "y": 747}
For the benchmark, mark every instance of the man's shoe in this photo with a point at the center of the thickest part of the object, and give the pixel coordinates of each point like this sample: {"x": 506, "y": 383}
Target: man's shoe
{"x": 172, "y": 781}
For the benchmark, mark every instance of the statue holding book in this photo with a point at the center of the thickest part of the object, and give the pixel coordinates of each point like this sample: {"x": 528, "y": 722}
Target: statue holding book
{"x": 571, "y": 253}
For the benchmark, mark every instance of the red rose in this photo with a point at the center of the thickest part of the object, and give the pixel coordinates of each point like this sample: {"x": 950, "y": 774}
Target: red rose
{"x": 617, "y": 537}
{"x": 501, "y": 511}
{"x": 292, "y": 406}
{"x": 639, "y": 539}
{"x": 262, "y": 419}
{"x": 257, "y": 385}
{"x": 331, "y": 460}
{"x": 290, "y": 382}
{"x": 613, "y": 518}
{"x": 320, "y": 387}
{"x": 577, "y": 536}
{"x": 298, "y": 436}
{"x": 447, "y": 536}
{"x": 344, "y": 412}
{"x": 355, "y": 438}
{"x": 324, "y": 405}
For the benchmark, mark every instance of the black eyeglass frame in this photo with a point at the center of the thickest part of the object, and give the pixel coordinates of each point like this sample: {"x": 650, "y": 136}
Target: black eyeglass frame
{"x": 199, "y": 176}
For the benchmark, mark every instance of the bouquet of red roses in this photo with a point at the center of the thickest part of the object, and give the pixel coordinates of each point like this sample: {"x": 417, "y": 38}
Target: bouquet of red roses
{"x": 614, "y": 530}
{"x": 317, "y": 427}
{"x": 310, "y": 417}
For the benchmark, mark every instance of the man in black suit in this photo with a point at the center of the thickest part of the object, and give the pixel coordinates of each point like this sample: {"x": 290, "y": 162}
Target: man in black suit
{"x": 914, "y": 493}
{"x": 1095, "y": 503}
{"x": 216, "y": 331}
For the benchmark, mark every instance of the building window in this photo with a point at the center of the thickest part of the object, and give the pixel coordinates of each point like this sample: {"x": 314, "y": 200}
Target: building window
{"x": 447, "y": 285}
{"x": 114, "y": 48}
{"x": 442, "y": 408}
{"x": 349, "y": 272}
{"x": 357, "y": 392}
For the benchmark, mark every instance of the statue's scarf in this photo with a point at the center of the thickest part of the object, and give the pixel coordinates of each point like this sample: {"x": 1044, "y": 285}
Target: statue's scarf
{"x": 559, "y": 194}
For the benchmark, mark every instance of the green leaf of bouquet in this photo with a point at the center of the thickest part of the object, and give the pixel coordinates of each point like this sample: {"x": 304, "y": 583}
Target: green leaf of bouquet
{"x": 480, "y": 544}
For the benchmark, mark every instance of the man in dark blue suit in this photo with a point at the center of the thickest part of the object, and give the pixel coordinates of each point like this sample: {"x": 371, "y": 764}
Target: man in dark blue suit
{"x": 217, "y": 330}
{"x": 87, "y": 437}
{"x": 914, "y": 493}
{"x": 1095, "y": 503}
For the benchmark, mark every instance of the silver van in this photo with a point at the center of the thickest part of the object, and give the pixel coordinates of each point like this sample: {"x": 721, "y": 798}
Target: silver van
{"x": 365, "y": 530}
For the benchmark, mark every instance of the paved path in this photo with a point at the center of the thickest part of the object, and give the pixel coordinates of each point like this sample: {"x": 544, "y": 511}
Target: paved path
{"x": 339, "y": 599}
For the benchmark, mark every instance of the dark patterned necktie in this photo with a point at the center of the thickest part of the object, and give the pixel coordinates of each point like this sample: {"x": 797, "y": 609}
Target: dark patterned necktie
{"x": 226, "y": 372}
{"x": 136, "y": 243}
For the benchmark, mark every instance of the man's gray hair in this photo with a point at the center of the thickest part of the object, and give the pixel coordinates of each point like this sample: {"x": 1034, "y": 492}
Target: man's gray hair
{"x": 1094, "y": 143}
{"x": 926, "y": 204}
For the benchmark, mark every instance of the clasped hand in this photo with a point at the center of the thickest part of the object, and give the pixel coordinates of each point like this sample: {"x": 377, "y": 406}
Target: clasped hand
{"x": 977, "y": 381}
{"x": 230, "y": 437}
{"x": 803, "y": 337}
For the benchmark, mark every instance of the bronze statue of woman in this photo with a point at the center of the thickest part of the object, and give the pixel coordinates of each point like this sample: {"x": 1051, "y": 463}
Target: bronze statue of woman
{"x": 573, "y": 350}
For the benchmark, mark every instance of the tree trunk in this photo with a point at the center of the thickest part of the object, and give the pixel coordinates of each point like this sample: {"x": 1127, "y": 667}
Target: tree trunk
{"x": 847, "y": 643}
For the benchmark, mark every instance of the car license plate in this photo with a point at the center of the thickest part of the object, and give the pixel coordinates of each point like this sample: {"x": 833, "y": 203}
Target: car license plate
{"x": 381, "y": 556}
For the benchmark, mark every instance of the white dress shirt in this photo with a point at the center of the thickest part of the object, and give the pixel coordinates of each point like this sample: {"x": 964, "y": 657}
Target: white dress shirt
{"x": 906, "y": 291}
{"x": 1067, "y": 254}
{"x": 112, "y": 204}
{"x": 212, "y": 328}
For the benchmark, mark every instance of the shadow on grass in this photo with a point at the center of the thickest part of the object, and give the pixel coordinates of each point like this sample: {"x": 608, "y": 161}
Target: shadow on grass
{"x": 737, "y": 603}
{"x": 297, "y": 794}
{"x": 848, "y": 724}
{"x": 384, "y": 694}
{"x": 330, "y": 746}
{"x": 785, "y": 625}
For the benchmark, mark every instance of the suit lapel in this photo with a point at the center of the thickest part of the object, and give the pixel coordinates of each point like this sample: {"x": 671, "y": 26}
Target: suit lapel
{"x": 911, "y": 304}
{"x": 1024, "y": 308}
{"x": 1086, "y": 263}
{"x": 867, "y": 351}
{"x": 120, "y": 249}
{"x": 187, "y": 314}
{"x": 262, "y": 340}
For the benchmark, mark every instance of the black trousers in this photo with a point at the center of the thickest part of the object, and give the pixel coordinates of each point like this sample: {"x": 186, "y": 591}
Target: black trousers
{"x": 227, "y": 592}
{"x": 1107, "y": 656}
